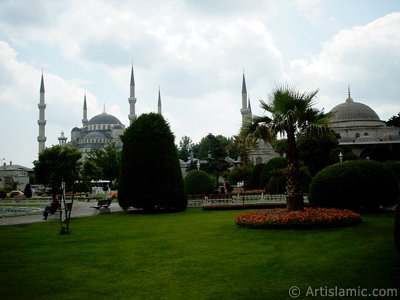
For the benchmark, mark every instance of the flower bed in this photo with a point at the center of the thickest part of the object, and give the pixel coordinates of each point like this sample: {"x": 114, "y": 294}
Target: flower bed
{"x": 308, "y": 218}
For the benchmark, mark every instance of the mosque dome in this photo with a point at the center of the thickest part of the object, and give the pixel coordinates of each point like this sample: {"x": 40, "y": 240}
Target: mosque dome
{"x": 75, "y": 129}
{"x": 104, "y": 118}
{"x": 353, "y": 111}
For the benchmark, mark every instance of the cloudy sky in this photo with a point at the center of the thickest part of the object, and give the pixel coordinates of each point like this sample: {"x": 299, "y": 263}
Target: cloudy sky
{"x": 195, "y": 51}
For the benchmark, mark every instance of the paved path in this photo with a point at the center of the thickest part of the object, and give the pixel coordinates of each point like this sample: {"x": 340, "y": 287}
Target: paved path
{"x": 79, "y": 209}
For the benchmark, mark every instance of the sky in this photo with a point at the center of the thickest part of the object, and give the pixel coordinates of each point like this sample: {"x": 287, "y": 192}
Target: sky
{"x": 195, "y": 52}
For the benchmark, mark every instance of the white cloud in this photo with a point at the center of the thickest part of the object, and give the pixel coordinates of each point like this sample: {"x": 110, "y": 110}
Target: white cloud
{"x": 366, "y": 57}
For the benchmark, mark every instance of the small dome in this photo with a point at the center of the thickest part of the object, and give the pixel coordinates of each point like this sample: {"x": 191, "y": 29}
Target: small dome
{"x": 353, "y": 111}
{"x": 75, "y": 129}
{"x": 104, "y": 118}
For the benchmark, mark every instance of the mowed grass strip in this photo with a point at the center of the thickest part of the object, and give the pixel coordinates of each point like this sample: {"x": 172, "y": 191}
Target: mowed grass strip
{"x": 191, "y": 255}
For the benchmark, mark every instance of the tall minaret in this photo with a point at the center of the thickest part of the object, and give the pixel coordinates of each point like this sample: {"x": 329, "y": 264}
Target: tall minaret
{"x": 159, "y": 102}
{"x": 132, "y": 99}
{"x": 41, "y": 122}
{"x": 246, "y": 114}
{"x": 84, "y": 119}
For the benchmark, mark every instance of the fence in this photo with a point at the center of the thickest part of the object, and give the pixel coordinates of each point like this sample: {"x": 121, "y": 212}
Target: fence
{"x": 201, "y": 200}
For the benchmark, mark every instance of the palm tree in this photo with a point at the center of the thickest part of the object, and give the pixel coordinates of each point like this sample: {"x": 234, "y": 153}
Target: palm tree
{"x": 292, "y": 112}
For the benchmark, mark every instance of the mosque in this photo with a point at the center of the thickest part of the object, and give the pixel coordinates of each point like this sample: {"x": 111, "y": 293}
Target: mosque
{"x": 360, "y": 128}
{"x": 96, "y": 133}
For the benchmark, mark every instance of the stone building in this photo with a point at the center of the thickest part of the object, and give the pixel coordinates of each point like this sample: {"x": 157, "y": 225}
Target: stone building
{"x": 17, "y": 174}
{"x": 360, "y": 127}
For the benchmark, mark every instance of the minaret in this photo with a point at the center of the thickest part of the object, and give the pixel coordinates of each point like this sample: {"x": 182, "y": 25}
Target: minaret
{"x": 132, "y": 99}
{"x": 84, "y": 119}
{"x": 42, "y": 122}
{"x": 246, "y": 115}
{"x": 159, "y": 102}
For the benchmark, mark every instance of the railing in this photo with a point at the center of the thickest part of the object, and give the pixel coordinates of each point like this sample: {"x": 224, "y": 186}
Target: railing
{"x": 220, "y": 199}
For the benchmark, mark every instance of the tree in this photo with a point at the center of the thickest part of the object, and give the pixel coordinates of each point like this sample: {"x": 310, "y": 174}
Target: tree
{"x": 394, "y": 121}
{"x": 59, "y": 167}
{"x": 57, "y": 164}
{"x": 315, "y": 149}
{"x": 214, "y": 150}
{"x": 151, "y": 178}
{"x": 185, "y": 145}
{"x": 291, "y": 112}
{"x": 104, "y": 162}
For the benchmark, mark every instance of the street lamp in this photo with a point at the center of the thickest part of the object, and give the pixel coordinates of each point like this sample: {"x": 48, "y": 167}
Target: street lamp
{"x": 340, "y": 157}
{"x": 198, "y": 164}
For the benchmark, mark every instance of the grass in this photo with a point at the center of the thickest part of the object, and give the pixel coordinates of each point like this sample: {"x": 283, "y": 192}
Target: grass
{"x": 191, "y": 255}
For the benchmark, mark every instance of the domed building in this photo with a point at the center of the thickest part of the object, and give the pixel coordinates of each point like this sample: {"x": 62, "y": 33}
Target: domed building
{"x": 96, "y": 133}
{"x": 360, "y": 128}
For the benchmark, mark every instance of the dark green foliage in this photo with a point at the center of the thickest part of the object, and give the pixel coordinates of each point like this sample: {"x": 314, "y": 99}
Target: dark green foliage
{"x": 255, "y": 180}
{"x": 28, "y": 191}
{"x": 354, "y": 184}
{"x": 240, "y": 174}
{"x": 394, "y": 166}
{"x": 394, "y": 121}
{"x": 57, "y": 164}
{"x": 3, "y": 194}
{"x": 314, "y": 149}
{"x": 277, "y": 182}
{"x": 382, "y": 152}
{"x": 397, "y": 228}
{"x": 198, "y": 182}
{"x": 271, "y": 166}
{"x": 151, "y": 177}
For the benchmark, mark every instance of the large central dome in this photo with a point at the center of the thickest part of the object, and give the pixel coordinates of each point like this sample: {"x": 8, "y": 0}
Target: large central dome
{"x": 353, "y": 111}
{"x": 104, "y": 118}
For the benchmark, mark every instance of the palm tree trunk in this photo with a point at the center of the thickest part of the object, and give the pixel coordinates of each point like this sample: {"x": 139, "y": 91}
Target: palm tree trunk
{"x": 294, "y": 198}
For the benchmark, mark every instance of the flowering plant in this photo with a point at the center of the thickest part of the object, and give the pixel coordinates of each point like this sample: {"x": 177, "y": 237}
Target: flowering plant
{"x": 307, "y": 218}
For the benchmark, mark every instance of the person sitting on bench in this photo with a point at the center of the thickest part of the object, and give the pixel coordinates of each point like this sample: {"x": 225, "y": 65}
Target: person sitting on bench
{"x": 106, "y": 202}
{"x": 51, "y": 208}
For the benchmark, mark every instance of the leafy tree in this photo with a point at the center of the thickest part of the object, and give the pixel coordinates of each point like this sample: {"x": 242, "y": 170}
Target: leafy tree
{"x": 185, "y": 144}
{"x": 279, "y": 146}
{"x": 57, "y": 164}
{"x": 151, "y": 178}
{"x": 314, "y": 149}
{"x": 292, "y": 112}
{"x": 240, "y": 174}
{"x": 104, "y": 163}
{"x": 214, "y": 150}
{"x": 394, "y": 121}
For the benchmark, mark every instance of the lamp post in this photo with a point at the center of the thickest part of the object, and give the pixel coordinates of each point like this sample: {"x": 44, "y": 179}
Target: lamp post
{"x": 2, "y": 162}
{"x": 198, "y": 164}
{"x": 340, "y": 157}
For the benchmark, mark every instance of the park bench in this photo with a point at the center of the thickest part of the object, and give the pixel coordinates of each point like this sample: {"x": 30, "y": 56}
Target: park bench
{"x": 103, "y": 203}
{"x": 68, "y": 206}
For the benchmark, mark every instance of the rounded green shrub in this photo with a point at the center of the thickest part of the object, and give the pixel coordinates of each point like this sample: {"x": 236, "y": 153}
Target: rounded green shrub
{"x": 354, "y": 184}
{"x": 151, "y": 177}
{"x": 240, "y": 174}
{"x": 277, "y": 182}
{"x": 198, "y": 182}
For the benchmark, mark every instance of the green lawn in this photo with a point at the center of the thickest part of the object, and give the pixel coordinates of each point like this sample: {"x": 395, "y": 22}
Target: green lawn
{"x": 191, "y": 255}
